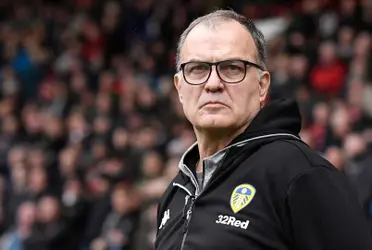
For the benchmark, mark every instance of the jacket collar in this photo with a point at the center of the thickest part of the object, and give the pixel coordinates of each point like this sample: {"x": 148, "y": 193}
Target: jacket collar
{"x": 277, "y": 119}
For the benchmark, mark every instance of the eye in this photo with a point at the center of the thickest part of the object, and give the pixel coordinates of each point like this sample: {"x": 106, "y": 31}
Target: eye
{"x": 232, "y": 67}
{"x": 196, "y": 68}
{"x": 199, "y": 67}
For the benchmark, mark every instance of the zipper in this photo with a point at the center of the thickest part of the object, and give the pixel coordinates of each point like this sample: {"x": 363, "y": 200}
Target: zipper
{"x": 189, "y": 173}
{"x": 190, "y": 210}
{"x": 187, "y": 222}
{"x": 186, "y": 213}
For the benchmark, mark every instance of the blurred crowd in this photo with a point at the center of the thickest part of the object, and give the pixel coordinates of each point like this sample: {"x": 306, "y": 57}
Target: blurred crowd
{"x": 91, "y": 129}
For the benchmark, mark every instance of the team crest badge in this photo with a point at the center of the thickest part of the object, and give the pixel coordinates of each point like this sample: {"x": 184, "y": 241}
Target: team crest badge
{"x": 241, "y": 197}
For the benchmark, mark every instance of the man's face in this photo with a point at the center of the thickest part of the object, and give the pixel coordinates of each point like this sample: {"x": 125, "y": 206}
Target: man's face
{"x": 217, "y": 105}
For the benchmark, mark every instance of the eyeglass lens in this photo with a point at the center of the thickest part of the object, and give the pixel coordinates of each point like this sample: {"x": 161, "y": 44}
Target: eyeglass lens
{"x": 229, "y": 71}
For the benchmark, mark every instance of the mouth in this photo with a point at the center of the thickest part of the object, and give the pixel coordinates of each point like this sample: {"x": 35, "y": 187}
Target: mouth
{"x": 214, "y": 104}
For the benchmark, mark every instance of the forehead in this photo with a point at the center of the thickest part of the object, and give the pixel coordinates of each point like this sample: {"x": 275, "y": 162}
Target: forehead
{"x": 225, "y": 40}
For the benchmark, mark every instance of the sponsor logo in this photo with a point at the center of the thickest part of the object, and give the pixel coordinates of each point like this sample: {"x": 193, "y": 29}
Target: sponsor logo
{"x": 232, "y": 221}
{"x": 165, "y": 218}
{"x": 241, "y": 197}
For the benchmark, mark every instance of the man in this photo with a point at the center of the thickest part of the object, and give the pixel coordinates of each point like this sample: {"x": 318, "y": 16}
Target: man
{"x": 249, "y": 182}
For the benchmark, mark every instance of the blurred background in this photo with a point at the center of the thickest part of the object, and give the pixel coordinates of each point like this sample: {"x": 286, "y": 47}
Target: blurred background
{"x": 91, "y": 129}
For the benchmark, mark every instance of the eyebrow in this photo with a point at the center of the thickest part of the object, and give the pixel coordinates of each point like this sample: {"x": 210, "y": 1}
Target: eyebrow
{"x": 227, "y": 59}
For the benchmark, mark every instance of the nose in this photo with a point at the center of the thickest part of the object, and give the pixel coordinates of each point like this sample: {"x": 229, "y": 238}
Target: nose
{"x": 214, "y": 83}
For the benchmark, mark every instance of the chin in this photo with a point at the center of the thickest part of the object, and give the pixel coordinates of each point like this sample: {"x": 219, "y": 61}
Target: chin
{"x": 215, "y": 122}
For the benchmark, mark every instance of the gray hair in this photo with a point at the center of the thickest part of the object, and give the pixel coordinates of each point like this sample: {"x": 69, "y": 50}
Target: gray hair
{"x": 213, "y": 18}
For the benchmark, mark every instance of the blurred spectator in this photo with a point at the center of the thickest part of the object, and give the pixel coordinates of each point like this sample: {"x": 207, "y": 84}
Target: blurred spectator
{"x": 74, "y": 207}
{"x": 319, "y": 127}
{"x": 334, "y": 155}
{"x": 120, "y": 225}
{"x": 14, "y": 237}
{"x": 91, "y": 128}
{"x": 99, "y": 208}
{"x": 328, "y": 75}
{"x": 3, "y": 200}
{"x": 345, "y": 42}
{"x": 49, "y": 231}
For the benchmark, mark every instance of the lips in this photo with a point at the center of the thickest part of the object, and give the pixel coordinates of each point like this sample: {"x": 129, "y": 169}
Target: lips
{"x": 214, "y": 103}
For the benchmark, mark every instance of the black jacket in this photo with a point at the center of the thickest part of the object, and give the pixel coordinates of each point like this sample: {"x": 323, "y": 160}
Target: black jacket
{"x": 270, "y": 191}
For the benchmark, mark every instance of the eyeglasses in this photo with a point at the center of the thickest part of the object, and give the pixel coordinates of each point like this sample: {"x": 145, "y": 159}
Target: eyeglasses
{"x": 229, "y": 71}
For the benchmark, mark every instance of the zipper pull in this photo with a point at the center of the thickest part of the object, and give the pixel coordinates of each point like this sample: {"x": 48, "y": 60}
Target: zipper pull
{"x": 184, "y": 212}
{"x": 186, "y": 199}
{"x": 188, "y": 213}
{"x": 187, "y": 208}
{"x": 188, "y": 217}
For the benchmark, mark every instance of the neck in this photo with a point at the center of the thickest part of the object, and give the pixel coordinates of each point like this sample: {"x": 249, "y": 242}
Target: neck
{"x": 211, "y": 143}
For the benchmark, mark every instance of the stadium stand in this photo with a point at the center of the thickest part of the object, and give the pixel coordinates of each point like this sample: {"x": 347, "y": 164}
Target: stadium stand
{"x": 91, "y": 127}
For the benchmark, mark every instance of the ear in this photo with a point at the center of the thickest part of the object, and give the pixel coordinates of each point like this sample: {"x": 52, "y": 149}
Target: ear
{"x": 177, "y": 84}
{"x": 264, "y": 85}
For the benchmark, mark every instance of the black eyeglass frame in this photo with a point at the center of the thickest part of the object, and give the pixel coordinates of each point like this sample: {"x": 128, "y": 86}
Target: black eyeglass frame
{"x": 210, "y": 64}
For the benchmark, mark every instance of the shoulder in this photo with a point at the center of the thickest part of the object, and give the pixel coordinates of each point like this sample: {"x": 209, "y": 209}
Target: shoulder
{"x": 283, "y": 161}
{"x": 293, "y": 154}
